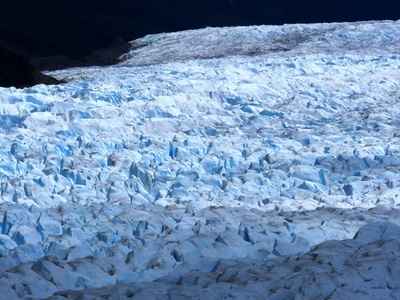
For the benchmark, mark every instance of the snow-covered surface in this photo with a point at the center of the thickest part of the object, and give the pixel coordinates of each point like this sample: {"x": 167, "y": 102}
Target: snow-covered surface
{"x": 251, "y": 162}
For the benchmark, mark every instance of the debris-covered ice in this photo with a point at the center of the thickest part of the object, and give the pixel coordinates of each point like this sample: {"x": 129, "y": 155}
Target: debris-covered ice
{"x": 248, "y": 162}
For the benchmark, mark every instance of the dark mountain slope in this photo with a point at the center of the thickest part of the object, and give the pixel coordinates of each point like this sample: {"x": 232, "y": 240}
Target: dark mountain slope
{"x": 75, "y": 29}
{"x": 17, "y": 71}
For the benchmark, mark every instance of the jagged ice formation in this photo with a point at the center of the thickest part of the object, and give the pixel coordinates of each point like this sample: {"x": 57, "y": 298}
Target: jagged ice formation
{"x": 240, "y": 162}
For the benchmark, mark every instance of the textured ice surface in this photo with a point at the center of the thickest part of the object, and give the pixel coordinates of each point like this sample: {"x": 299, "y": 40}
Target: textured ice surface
{"x": 236, "y": 162}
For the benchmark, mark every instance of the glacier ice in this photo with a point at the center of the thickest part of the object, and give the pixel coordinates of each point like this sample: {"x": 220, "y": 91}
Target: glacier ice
{"x": 224, "y": 162}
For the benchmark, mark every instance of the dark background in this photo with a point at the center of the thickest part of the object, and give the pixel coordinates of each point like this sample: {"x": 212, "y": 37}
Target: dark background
{"x": 54, "y": 34}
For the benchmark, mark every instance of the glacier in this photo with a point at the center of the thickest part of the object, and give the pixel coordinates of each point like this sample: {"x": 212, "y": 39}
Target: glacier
{"x": 244, "y": 162}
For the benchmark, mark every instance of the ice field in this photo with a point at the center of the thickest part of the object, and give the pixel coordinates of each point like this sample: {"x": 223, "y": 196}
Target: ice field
{"x": 248, "y": 162}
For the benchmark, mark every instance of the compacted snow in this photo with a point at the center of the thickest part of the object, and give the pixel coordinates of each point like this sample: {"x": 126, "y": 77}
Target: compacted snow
{"x": 250, "y": 162}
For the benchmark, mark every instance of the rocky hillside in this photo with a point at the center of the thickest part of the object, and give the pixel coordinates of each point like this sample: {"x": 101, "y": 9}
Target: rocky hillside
{"x": 18, "y": 72}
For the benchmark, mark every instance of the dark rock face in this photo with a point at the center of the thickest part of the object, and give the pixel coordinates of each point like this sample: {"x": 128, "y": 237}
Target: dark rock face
{"x": 103, "y": 57}
{"x": 18, "y": 72}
